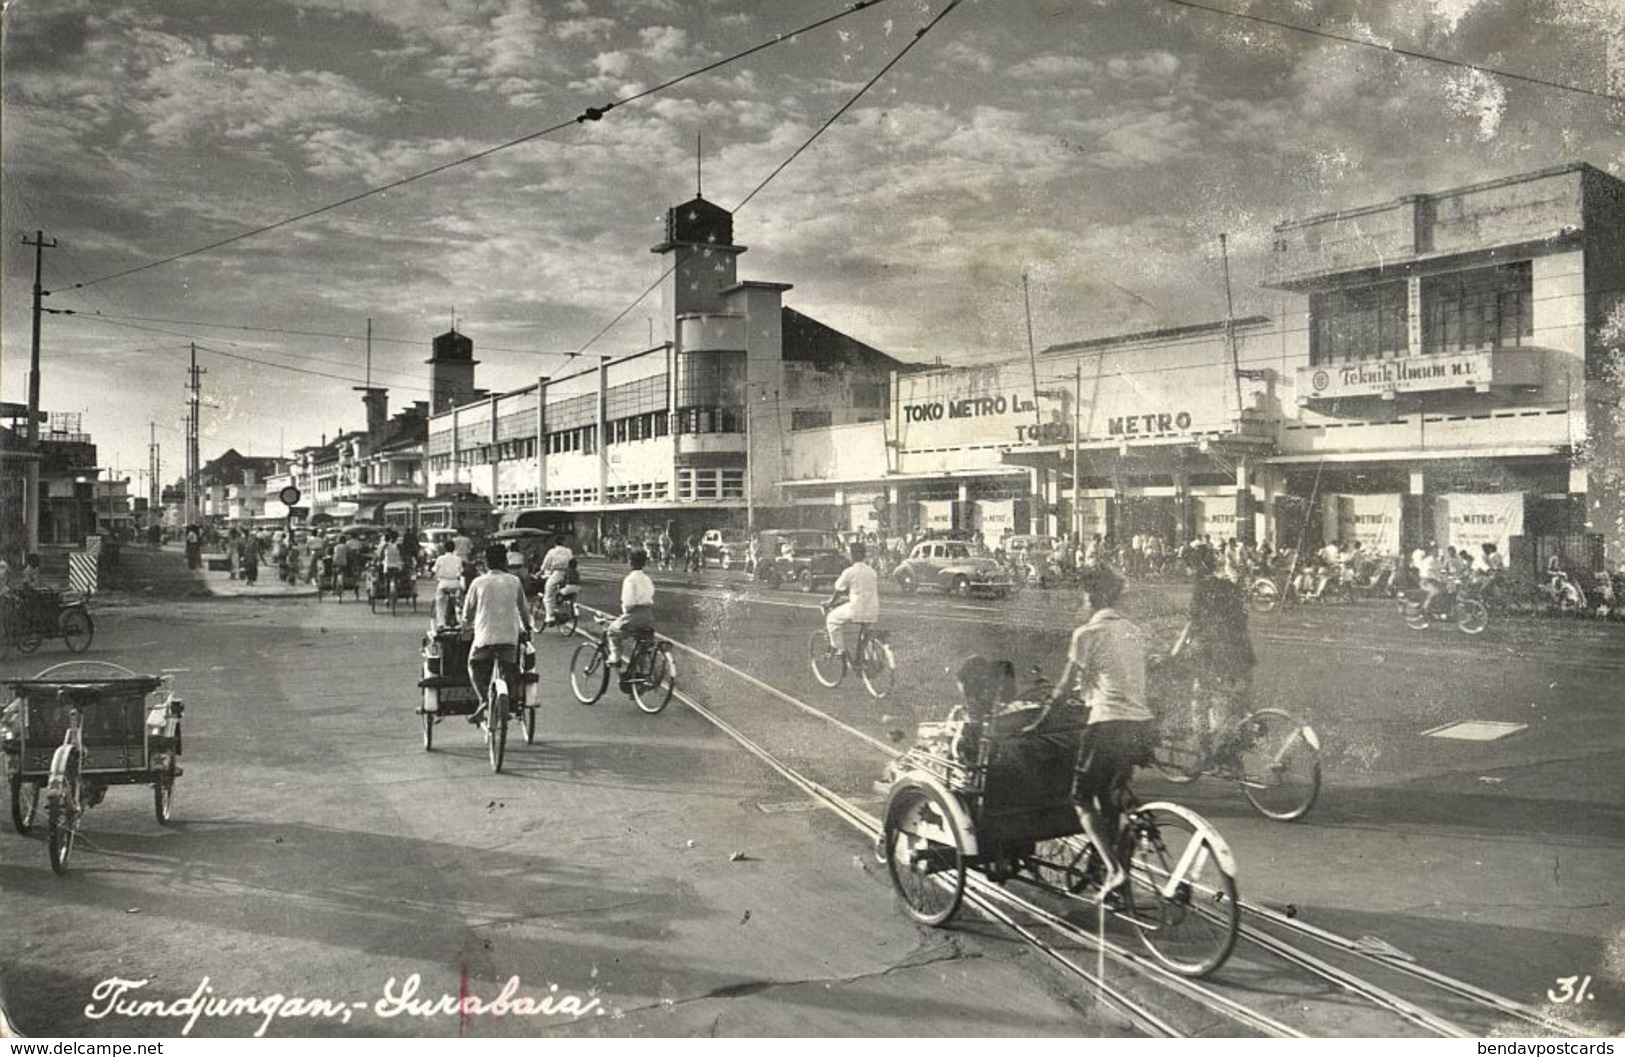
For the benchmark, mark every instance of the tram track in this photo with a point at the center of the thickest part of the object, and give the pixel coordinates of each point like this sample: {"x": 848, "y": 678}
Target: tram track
{"x": 1060, "y": 940}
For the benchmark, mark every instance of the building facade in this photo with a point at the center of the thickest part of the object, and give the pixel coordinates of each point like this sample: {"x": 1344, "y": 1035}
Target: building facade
{"x": 1140, "y": 433}
{"x": 1452, "y": 378}
{"x": 1452, "y": 375}
{"x": 693, "y": 433}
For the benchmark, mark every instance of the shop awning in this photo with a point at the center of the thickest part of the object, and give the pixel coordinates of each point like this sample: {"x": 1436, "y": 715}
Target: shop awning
{"x": 1537, "y": 451}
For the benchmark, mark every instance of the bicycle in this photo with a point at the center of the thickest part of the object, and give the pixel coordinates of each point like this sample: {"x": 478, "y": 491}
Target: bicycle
{"x": 649, "y": 675}
{"x": 1270, "y": 753}
{"x": 1462, "y": 606}
{"x": 874, "y": 659}
{"x": 997, "y": 795}
{"x": 502, "y": 703}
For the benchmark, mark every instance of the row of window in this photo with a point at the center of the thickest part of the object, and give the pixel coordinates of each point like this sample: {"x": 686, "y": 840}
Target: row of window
{"x": 709, "y": 420}
{"x": 524, "y": 497}
{"x": 710, "y": 484}
{"x": 583, "y": 439}
{"x": 637, "y": 427}
{"x": 564, "y": 496}
{"x": 632, "y": 493}
{"x": 1463, "y": 310}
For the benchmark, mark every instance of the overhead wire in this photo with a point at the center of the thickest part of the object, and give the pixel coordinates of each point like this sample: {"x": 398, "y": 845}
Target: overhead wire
{"x": 1393, "y": 49}
{"x": 808, "y": 142}
{"x": 591, "y": 113}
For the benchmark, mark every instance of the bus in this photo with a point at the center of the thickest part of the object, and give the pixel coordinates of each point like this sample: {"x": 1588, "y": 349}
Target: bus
{"x": 471, "y": 513}
{"x": 552, "y": 522}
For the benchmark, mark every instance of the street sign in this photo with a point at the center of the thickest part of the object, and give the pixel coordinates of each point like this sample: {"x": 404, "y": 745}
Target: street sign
{"x": 289, "y": 496}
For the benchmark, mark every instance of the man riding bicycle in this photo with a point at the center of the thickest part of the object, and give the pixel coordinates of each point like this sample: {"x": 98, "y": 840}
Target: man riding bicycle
{"x": 495, "y": 608}
{"x": 861, "y": 588}
{"x": 1106, "y": 666}
{"x": 637, "y": 607}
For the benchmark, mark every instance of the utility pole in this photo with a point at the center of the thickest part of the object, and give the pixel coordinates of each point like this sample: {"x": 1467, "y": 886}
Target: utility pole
{"x": 194, "y": 389}
{"x": 1230, "y": 326}
{"x": 154, "y": 488}
{"x": 31, "y": 496}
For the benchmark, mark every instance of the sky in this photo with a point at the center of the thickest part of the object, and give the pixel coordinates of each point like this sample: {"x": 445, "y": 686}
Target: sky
{"x": 1097, "y": 147}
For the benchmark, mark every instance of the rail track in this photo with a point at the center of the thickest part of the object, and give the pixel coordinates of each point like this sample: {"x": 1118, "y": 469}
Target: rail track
{"x": 1337, "y": 984}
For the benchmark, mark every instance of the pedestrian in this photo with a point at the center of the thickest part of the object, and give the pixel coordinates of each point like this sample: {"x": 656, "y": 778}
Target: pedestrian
{"x": 249, "y": 560}
{"x": 1216, "y": 658}
{"x": 194, "y": 547}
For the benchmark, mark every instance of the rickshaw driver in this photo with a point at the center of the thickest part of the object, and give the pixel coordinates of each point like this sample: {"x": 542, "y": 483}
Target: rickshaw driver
{"x": 495, "y": 608}
{"x": 637, "y": 607}
{"x": 1106, "y": 663}
{"x": 861, "y": 587}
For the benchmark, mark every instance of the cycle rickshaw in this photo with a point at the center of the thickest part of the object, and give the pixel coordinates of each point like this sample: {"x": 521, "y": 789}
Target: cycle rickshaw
{"x": 332, "y": 580}
{"x": 391, "y": 589}
{"x": 78, "y": 728}
{"x": 448, "y": 692}
{"x": 993, "y": 793}
{"x": 29, "y": 617}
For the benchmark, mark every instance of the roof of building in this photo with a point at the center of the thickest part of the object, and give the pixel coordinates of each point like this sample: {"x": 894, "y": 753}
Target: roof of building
{"x": 229, "y": 468}
{"x": 806, "y": 340}
{"x": 405, "y": 429}
{"x": 1160, "y": 334}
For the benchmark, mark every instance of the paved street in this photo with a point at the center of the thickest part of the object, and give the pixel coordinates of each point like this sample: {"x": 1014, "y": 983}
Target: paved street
{"x": 650, "y": 875}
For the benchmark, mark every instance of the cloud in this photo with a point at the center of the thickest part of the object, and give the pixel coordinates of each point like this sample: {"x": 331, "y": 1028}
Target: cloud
{"x": 583, "y": 28}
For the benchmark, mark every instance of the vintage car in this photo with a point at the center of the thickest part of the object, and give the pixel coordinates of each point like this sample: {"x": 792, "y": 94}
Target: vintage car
{"x": 726, "y": 547}
{"x": 805, "y": 557}
{"x": 951, "y": 565}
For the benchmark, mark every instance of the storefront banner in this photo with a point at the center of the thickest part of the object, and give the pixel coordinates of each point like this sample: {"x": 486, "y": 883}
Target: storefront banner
{"x": 1215, "y": 516}
{"x": 1469, "y": 520}
{"x": 1370, "y": 520}
{"x": 1121, "y": 400}
{"x": 1406, "y": 374}
{"x": 994, "y": 516}
{"x": 936, "y": 514}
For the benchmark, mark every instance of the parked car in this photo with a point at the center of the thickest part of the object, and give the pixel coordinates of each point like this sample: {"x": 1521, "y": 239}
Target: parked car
{"x": 726, "y": 547}
{"x": 805, "y": 557}
{"x": 950, "y": 565}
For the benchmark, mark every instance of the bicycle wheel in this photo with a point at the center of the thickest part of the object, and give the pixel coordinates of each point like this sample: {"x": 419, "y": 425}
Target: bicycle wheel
{"x": 1415, "y": 618}
{"x": 828, "y": 667}
{"x": 924, "y": 855}
{"x": 589, "y": 672}
{"x": 24, "y": 804}
{"x": 1471, "y": 616}
{"x": 653, "y": 691}
{"x": 62, "y": 824}
{"x": 1264, "y": 596}
{"x": 496, "y": 729}
{"x": 877, "y": 668}
{"x": 163, "y": 798}
{"x": 566, "y": 624}
{"x": 1280, "y": 764}
{"x": 1179, "y": 898}
{"x": 77, "y": 629}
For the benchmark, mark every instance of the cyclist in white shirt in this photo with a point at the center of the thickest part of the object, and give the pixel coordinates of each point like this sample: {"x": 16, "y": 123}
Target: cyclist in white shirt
{"x": 495, "y": 609}
{"x": 637, "y": 606}
{"x": 448, "y": 576}
{"x": 861, "y": 587}
{"x": 555, "y": 564}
